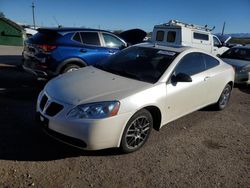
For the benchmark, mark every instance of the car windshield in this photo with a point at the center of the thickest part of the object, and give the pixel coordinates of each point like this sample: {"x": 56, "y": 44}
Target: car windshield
{"x": 140, "y": 63}
{"x": 237, "y": 53}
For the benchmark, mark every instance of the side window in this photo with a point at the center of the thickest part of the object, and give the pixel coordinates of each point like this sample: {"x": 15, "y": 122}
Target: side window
{"x": 91, "y": 38}
{"x": 200, "y": 36}
{"x": 171, "y": 36}
{"x": 216, "y": 41}
{"x": 210, "y": 61}
{"x": 159, "y": 35}
{"x": 77, "y": 37}
{"x": 190, "y": 64}
{"x": 111, "y": 41}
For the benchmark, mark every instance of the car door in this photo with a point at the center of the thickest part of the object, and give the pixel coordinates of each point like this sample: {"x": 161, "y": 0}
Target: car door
{"x": 185, "y": 97}
{"x": 213, "y": 79}
{"x": 92, "y": 50}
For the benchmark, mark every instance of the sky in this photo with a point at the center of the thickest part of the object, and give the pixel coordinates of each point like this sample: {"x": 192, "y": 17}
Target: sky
{"x": 128, "y": 14}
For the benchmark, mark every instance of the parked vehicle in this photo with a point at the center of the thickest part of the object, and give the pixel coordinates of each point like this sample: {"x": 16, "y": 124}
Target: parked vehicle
{"x": 239, "y": 58}
{"x": 185, "y": 34}
{"x": 118, "y": 102}
{"x": 59, "y": 50}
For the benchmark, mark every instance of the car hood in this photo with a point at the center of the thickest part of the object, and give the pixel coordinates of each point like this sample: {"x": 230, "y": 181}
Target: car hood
{"x": 133, "y": 36}
{"x": 90, "y": 84}
{"x": 236, "y": 62}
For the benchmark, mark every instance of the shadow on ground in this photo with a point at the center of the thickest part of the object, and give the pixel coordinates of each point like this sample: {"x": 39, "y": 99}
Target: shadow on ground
{"x": 244, "y": 88}
{"x": 11, "y": 59}
{"x": 21, "y": 138}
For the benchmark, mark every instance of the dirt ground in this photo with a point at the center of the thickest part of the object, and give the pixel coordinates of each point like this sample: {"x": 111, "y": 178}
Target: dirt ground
{"x": 204, "y": 149}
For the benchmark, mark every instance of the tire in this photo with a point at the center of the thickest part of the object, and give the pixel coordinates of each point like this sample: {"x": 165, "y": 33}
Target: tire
{"x": 70, "y": 68}
{"x": 136, "y": 131}
{"x": 224, "y": 98}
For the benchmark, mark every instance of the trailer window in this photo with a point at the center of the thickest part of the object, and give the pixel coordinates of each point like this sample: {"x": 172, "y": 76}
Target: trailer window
{"x": 159, "y": 35}
{"x": 200, "y": 36}
{"x": 171, "y": 36}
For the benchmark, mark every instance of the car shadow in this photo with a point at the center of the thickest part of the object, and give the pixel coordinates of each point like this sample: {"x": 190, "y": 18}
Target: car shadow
{"x": 11, "y": 59}
{"x": 243, "y": 87}
{"x": 21, "y": 138}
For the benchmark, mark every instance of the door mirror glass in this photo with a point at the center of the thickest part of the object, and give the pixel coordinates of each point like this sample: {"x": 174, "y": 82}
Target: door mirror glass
{"x": 181, "y": 77}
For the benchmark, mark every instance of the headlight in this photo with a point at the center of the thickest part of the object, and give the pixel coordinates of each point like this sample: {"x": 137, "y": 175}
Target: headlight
{"x": 245, "y": 69}
{"x": 96, "y": 110}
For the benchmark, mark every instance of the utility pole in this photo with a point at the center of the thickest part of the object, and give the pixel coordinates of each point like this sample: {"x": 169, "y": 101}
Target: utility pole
{"x": 33, "y": 13}
{"x": 223, "y": 28}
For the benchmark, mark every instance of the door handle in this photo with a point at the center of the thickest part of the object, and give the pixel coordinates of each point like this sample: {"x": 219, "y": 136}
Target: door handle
{"x": 83, "y": 50}
{"x": 111, "y": 51}
{"x": 206, "y": 78}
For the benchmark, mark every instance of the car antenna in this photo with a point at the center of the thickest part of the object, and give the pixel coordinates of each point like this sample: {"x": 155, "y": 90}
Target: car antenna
{"x": 58, "y": 25}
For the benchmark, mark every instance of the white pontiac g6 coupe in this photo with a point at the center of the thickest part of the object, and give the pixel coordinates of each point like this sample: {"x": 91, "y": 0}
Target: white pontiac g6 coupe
{"x": 118, "y": 102}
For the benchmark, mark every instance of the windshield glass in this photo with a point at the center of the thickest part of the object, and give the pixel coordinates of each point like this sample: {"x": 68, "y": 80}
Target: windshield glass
{"x": 140, "y": 63}
{"x": 237, "y": 53}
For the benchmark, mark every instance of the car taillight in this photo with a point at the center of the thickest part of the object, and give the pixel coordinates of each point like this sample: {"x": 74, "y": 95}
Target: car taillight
{"x": 46, "y": 47}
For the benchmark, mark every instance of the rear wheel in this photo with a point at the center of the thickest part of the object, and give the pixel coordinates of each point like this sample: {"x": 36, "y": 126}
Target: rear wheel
{"x": 136, "y": 131}
{"x": 224, "y": 98}
{"x": 70, "y": 68}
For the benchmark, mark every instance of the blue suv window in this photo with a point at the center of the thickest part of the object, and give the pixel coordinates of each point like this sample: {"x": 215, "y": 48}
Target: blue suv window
{"x": 111, "y": 41}
{"x": 91, "y": 38}
{"x": 77, "y": 37}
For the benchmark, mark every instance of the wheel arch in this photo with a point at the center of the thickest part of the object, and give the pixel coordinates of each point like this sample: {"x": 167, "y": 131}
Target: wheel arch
{"x": 75, "y": 61}
{"x": 156, "y": 115}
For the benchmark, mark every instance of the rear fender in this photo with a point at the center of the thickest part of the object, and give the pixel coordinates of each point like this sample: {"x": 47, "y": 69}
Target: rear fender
{"x": 75, "y": 61}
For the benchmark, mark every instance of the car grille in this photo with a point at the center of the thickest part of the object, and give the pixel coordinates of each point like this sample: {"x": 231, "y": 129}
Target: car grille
{"x": 50, "y": 108}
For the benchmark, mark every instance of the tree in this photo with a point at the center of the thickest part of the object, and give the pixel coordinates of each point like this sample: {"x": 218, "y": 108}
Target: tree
{"x": 2, "y": 15}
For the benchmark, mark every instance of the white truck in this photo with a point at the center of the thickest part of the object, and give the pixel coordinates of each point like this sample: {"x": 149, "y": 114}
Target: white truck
{"x": 179, "y": 33}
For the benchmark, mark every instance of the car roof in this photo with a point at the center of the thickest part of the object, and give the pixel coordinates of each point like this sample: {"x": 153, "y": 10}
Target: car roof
{"x": 69, "y": 29}
{"x": 175, "y": 48}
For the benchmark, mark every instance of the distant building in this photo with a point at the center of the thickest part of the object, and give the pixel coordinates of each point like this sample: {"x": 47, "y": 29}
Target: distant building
{"x": 11, "y": 33}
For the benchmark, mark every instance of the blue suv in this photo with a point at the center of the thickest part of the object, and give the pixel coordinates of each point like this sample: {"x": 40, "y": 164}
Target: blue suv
{"x": 53, "y": 51}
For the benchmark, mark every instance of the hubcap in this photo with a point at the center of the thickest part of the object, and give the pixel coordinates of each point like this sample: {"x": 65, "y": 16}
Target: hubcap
{"x": 225, "y": 96}
{"x": 71, "y": 69}
{"x": 137, "y": 132}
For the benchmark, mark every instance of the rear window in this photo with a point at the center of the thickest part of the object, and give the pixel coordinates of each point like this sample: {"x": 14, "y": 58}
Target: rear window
{"x": 200, "y": 36}
{"x": 159, "y": 35}
{"x": 91, "y": 38}
{"x": 47, "y": 37}
{"x": 171, "y": 36}
{"x": 77, "y": 37}
{"x": 210, "y": 61}
{"x": 237, "y": 53}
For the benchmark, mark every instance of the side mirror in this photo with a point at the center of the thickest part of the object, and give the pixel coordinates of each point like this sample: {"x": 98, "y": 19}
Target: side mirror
{"x": 181, "y": 77}
{"x": 123, "y": 46}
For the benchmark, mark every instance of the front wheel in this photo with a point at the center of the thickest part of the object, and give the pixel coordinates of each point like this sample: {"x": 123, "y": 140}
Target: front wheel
{"x": 224, "y": 98}
{"x": 136, "y": 131}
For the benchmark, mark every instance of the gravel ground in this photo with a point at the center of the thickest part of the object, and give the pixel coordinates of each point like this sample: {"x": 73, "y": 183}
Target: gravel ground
{"x": 204, "y": 149}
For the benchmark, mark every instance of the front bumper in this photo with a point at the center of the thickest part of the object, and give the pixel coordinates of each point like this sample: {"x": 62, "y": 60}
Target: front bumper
{"x": 89, "y": 134}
